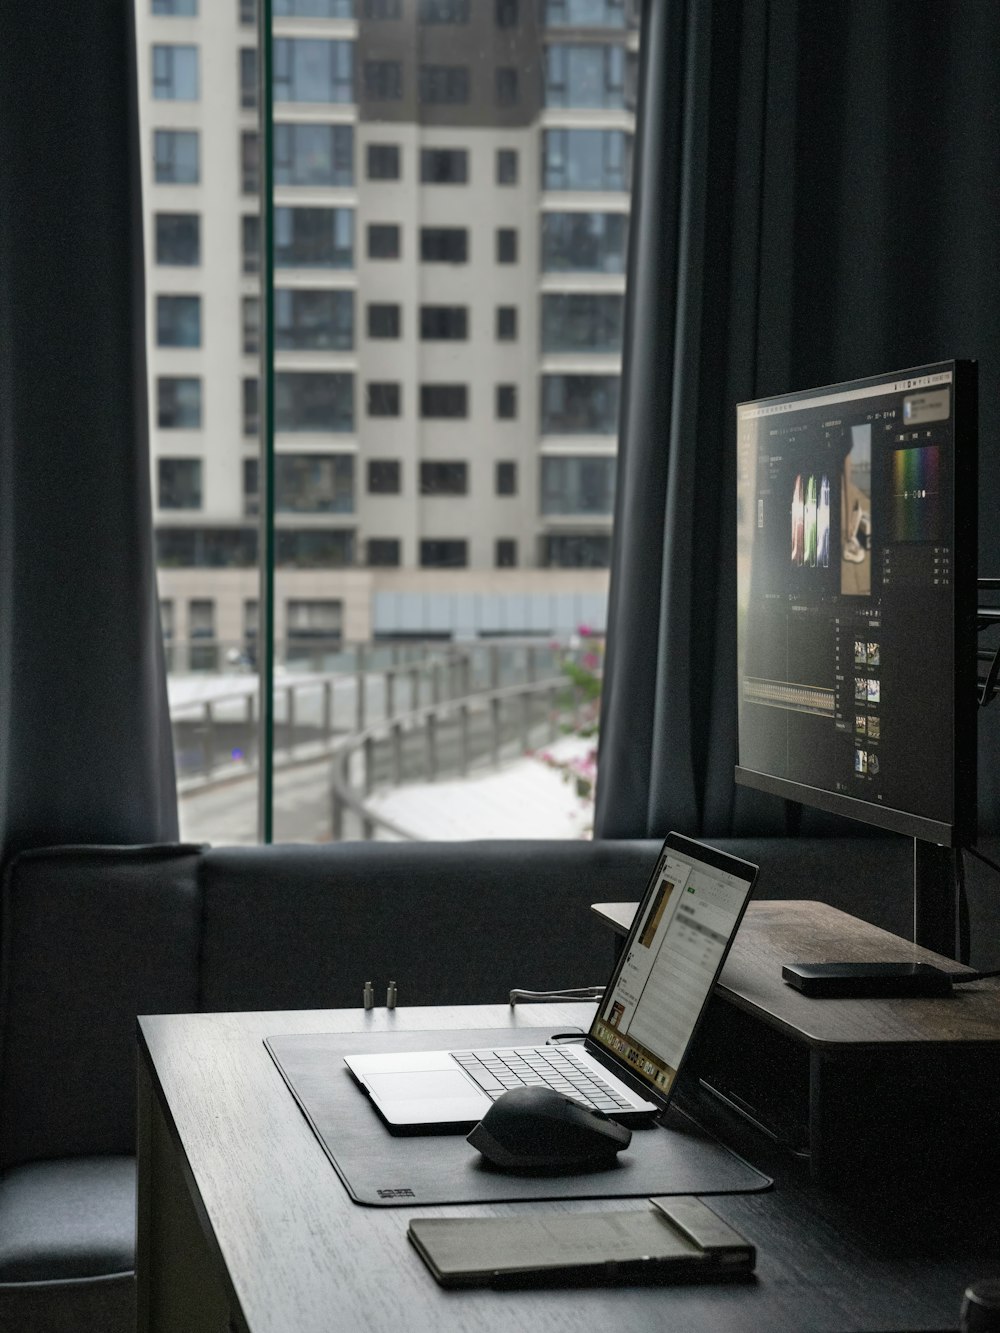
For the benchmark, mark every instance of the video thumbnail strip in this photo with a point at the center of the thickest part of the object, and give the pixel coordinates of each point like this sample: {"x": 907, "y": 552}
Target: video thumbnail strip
{"x": 784, "y": 694}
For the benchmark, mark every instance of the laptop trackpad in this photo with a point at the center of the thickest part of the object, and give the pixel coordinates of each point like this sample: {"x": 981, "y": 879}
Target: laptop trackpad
{"x": 435, "y": 1095}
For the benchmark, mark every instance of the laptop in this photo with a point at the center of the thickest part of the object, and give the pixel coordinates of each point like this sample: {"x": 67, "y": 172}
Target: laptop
{"x": 628, "y": 1063}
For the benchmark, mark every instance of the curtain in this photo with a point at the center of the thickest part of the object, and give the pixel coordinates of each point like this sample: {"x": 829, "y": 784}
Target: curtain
{"x": 816, "y": 199}
{"x": 85, "y": 751}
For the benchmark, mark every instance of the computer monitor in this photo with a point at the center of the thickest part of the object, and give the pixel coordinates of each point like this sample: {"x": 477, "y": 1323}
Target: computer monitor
{"x": 856, "y": 573}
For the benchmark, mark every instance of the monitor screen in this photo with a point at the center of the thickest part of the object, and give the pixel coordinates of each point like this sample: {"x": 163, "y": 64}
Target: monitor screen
{"x": 856, "y": 574}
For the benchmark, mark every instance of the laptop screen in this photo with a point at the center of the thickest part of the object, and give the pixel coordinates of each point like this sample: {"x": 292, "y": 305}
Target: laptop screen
{"x": 675, "y": 950}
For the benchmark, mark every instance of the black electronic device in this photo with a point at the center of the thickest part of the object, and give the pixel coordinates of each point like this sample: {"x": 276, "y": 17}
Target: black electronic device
{"x": 856, "y": 612}
{"x": 869, "y": 980}
{"x": 538, "y": 1129}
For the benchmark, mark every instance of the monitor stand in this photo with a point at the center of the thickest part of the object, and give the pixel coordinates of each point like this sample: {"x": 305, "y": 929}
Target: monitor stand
{"x": 936, "y": 899}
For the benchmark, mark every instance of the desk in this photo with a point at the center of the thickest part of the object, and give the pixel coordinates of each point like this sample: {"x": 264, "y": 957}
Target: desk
{"x": 243, "y": 1224}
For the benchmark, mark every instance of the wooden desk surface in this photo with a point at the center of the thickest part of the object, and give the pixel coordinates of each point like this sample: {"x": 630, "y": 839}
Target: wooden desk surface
{"x": 222, "y": 1140}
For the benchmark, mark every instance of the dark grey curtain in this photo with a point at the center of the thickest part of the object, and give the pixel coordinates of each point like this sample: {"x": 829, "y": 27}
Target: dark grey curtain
{"x": 85, "y": 752}
{"x": 816, "y": 196}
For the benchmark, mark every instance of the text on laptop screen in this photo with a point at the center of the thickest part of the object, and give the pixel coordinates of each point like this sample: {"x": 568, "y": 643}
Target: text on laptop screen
{"x": 653, "y": 1004}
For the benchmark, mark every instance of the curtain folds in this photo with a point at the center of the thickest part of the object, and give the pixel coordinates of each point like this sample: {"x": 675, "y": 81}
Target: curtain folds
{"x": 85, "y": 748}
{"x": 815, "y": 199}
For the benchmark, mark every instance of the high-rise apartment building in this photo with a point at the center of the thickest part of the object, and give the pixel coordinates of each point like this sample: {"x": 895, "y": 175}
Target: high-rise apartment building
{"x": 451, "y": 201}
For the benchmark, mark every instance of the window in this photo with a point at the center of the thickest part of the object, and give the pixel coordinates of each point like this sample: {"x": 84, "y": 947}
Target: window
{"x": 506, "y": 85}
{"x": 579, "y": 404}
{"x": 201, "y": 625}
{"x": 444, "y": 554}
{"x": 383, "y": 162}
{"x": 314, "y": 483}
{"x": 179, "y": 483}
{"x": 444, "y": 166}
{"x": 384, "y": 321}
{"x": 444, "y": 400}
{"x": 314, "y": 237}
{"x": 176, "y": 8}
{"x": 444, "y": 479}
{"x": 506, "y": 553}
{"x": 443, "y": 11}
{"x": 569, "y": 551}
{"x": 383, "y": 9}
{"x": 443, "y": 85}
{"x": 506, "y": 323}
{"x": 313, "y": 320}
{"x": 313, "y": 69}
{"x": 506, "y": 478}
{"x": 178, "y": 238}
{"x": 314, "y": 9}
{"x": 175, "y": 157}
{"x": 444, "y": 323}
{"x": 248, "y": 13}
{"x": 250, "y": 242}
{"x": 506, "y": 166}
{"x": 506, "y": 402}
{"x": 178, "y": 321}
{"x": 585, "y": 13}
{"x": 313, "y": 154}
{"x": 586, "y": 242}
{"x": 383, "y": 80}
{"x": 204, "y": 548}
{"x": 178, "y": 402}
{"x": 506, "y": 14}
{"x": 175, "y": 73}
{"x": 383, "y": 552}
{"x": 251, "y": 407}
{"x": 506, "y": 245}
{"x": 383, "y": 240}
{"x": 581, "y": 322}
{"x": 313, "y": 401}
{"x": 307, "y": 622}
{"x": 383, "y": 399}
{"x": 578, "y": 486}
{"x": 251, "y": 488}
{"x": 585, "y": 160}
{"x": 384, "y": 476}
{"x": 585, "y": 76}
{"x": 248, "y": 77}
{"x": 251, "y": 325}
{"x": 315, "y": 548}
{"x": 444, "y": 245}
{"x": 250, "y": 162}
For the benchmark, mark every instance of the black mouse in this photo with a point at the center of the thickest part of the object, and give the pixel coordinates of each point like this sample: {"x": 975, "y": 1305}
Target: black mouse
{"x": 538, "y": 1129}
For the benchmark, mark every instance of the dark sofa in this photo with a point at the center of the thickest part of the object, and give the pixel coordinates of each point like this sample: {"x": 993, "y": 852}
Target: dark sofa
{"x": 93, "y": 936}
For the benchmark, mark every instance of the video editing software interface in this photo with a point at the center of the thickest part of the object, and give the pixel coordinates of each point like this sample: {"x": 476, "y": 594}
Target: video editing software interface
{"x": 650, "y": 1010}
{"x": 845, "y": 576}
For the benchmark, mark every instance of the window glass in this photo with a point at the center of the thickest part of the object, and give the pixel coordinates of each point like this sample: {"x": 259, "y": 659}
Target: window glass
{"x": 179, "y": 483}
{"x": 251, "y": 325}
{"x": 566, "y": 550}
{"x": 176, "y": 8}
{"x": 383, "y": 80}
{"x": 584, "y": 75}
{"x": 444, "y": 245}
{"x": 250, "y": 162}
{"x": 579, "y": 404}
{"x": 584, "y": 13}
{"x": 578, "y": 485}
{"x": 306, "y": 154}
{"x": 383, "y": 162}
{"x": 444, "y": 400}
{"x": 313, "y": 401}
{"x": 507, "y": 13}
{"x": 444, "y": 166}
{"x": 506, "y": 323}
{"x": 313, "y": 237}
{"x": 314, "y": 9}
{"x": 506, "y": 245}
{"x": 585, "y": 160}
{"x": 250, "y": 242}
{"x": 444, "y": 323}
{"x": 442, "y": 85}
{"x": 506, "y": 169}
{"x": 318, "y": 320}
{"x": 578, "y": 322}
{"x": 383, "y": 552}
{"x": 506, "y": 553}
{"x": 313, "y": 69}
{"x": 383, "y": 9}
{"x": 314, "y": 483}
{"x": 178, "y": 321}
{"x": 175, "y": 157}
{"x": 178, "y": 402}
{"x": 447, "y": 478}
{"x": 506, "y": 478}
{"x": 383, "y": 398}
{"x": 384, "y": 476}
{"x": 584, "y": 242}
{"x": 444, "y": 554}
{"x": 383, "y": 240}
{"x": 384, "y": 320}
{"x": 248, "y": 78}
{"x": 175, "y": 73}
{"x": 443, "y": 11}
{"x": 506, "y": 402}
{"x": 314, "y": 548}
{"x": 178, "y": 238}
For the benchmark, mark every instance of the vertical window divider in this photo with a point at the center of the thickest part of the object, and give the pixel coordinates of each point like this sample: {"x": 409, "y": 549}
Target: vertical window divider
{"x": 265, "y": 623}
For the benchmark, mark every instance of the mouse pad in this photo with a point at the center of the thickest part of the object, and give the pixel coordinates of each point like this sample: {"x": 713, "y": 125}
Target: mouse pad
{"x": 387, "y": 1169}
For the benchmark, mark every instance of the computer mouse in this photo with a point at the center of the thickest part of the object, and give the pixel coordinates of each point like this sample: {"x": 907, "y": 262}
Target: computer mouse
{"x": 538, "y": 1129}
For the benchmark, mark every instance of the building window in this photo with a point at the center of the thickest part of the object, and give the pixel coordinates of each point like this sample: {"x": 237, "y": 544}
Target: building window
{"x": 206, "y": 548}
{"x": 444, "y": 554}
{"x": 178, "y": 321}
{"x": 324, "y": 548}
{"x": 175, "y": 73}
{"x": 175, "y": 157}
{"x": 444, "y": 400}
{"x": 248, "y": 13}
{"x": 202, "y": 656}
{"x": 443, "y": 85}
{"x": 250, "y": 242}
{"x": 248, "y": 78}
{"x": 444, "y": 478}
{"x": 506, "y": 553}
{"x": 384, "y": 321}
{"x": 569, "y": 551}
{"x": 383, "y": 9}
{"x": 314, "y": 9}
{"x": 584, "y": 13}
{"x": 313, "y": 154}
{"x": 585, "y": 76}
{"x": 178, "y": 402}
{"x": 251, "y": 325}
{"x": 582, "y": 322}
{"x": 585, "y": 160}
{"x": 383, "y": 240}
{"x": 444, "y": 245}
{"x": 506, "y": 166}
{"x": 444, "y": 166}
{"x": 251, "y": 488}
{"x": 383, "y": 552}
{"x": 383, "y": 399}
{"x": 251, "y": 407}
{"x": 383, "y": 162}
{"x": 506, "y": 478}
{"x": 506, "y": 323}
{"x": 578, "y": 486}
{"x": 178, "y": 238}
{"x": 312, "y": 623}
{"x": 506, "y": 402}
{"x": 579, "y": 404}
{"x": 443, "y": 11}
{"x": 176, "y": 8}
{"x": 584, "y": 242}
{"x": 313, "y": 69}
{"x": 507, "y": 14}
{"x": 444, "y": 323}
{"x": 313, "y": 320}
{"x": 384, "y": 476}
{"x": 314, "y": 237}
{"x": 313, "y": 401}
{"x": 179, "y": 483}
{"x": 382, "y": 80}
{"x": 314, "y": 483}
{"x": 506, "y": 245}
{"x": 250, "y": 162}
{"x": 506, "y": 85}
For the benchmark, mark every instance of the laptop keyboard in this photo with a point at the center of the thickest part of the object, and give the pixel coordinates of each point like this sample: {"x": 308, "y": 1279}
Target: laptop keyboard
{"x": 498, "y": 1071}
